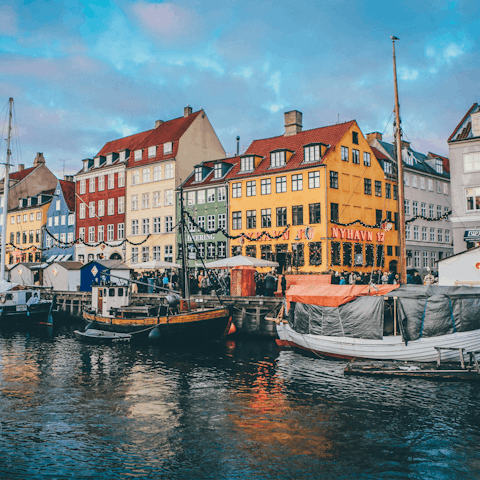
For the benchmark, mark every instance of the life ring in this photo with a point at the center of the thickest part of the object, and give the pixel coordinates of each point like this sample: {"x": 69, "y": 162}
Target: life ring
{"x": 2, "y": 298}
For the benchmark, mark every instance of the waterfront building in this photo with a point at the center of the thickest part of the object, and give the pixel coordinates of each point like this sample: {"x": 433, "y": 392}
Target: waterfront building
{"x": 157, "y": 166}
{"x": 464, "y": 152}
{"x": 62, "y": 276}
{"x": 100, "y": 201}
{"x": 319, "y": 193}
{"x": 60, "y": 223}
{"x": 427, "y": 196}
{"x": 205, "y": 194}
{"x": 25, "y": 228}
{"x": 100, "y": 270}
{"x": 27, "y": 273}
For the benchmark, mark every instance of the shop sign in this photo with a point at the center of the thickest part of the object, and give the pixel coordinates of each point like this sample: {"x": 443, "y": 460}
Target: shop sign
{"x": 472, "y": 235}
{"x": 200, "y": 238}
{"x": 350, "y": 234}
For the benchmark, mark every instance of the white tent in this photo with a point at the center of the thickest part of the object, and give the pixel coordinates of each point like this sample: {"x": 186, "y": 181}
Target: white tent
{"x": 154, "y": 265}
{"x": 241, "y": 261}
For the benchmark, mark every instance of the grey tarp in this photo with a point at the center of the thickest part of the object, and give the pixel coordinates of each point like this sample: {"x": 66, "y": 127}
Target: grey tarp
{"x": 360, "y": 318}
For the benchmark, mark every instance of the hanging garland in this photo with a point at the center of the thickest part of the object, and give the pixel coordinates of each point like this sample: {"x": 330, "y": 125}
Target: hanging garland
{"x": 377, "y": 225}
{"x": 429, "y": 219}
{"x": 236, "y": 237}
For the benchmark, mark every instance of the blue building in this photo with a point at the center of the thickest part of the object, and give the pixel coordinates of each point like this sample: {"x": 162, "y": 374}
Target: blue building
{"x": 60, "y": 222}
{"x": 97, "y": 271}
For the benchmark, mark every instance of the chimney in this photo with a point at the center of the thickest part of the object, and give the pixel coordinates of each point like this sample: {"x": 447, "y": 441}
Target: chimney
{"x": 371, "y": 137}
{"x": 187, "y": 111}
{"x": 475, "y": 124}
{"x": 405, "y": 144}
{"x": 293, "y": 122}
{"x": 68, "y": 178}
{"x": 158, "y": 123}
{"x": 39, "y": 160}
{"x": 21, "y": 167}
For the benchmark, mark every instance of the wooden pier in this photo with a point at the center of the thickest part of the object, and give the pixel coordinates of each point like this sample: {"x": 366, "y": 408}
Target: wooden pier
{"x": 248, "y": 312}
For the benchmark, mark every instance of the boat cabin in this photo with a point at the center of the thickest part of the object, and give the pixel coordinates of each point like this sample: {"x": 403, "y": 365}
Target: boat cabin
{"x": 106, "y": 298}
{"x": 19, "y": 299}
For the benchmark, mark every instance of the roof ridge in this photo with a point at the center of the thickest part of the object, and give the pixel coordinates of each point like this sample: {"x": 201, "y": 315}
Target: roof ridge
{"x": 461, "y": 121}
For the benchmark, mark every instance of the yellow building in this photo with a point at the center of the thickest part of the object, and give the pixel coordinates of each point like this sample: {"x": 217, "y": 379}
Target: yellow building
{"x": 312, "y": 200}
{"x": 25, "y": 227}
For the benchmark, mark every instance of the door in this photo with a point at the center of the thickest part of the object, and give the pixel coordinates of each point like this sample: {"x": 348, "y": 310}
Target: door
{"x": 100, "y": 301}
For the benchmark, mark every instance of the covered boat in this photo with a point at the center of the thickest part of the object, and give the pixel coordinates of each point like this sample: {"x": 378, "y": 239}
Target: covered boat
{"x": 388, "y": 322}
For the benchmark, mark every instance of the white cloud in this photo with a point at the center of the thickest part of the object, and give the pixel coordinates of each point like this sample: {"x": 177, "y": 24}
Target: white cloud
{"x": 408, "y": 74}
{"x": 273, "y": 107}
{"x": 275, "y": 81}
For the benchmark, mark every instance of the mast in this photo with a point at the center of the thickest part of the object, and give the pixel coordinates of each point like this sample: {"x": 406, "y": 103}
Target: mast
{"x": 6, "y": 185}
{"x": 186, "y": 284}
{"x": 401, "y": 191}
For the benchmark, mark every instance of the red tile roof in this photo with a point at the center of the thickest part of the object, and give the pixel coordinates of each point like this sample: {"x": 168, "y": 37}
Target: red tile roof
{"x": 445, "y": 160}
{"x": 380, "y": 155}
{"x": 21, "y": 175}
{"x": 123, "y": 143}
{"x": 461, "y": 122}
{"x": 329, "y": 135}
{"x": 209, "y": 180}
{"x": 68, "y": 189}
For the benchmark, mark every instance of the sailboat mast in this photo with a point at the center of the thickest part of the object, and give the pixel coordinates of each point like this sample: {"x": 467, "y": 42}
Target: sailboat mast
{"x": 186, "y": 283}
{"x": 6, "y": 184}
{"x": 401, "y": 190}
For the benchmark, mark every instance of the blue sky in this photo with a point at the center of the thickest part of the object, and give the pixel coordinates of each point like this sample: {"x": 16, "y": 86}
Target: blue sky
{"x": 82, "y": 74}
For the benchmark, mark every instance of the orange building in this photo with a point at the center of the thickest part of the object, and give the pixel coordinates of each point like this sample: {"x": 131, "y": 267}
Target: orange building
{"x": 314, "y": 201}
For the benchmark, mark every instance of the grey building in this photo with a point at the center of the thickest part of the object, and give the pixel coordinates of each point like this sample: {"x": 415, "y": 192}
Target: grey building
{"x": 427, "y": 194}
{"x": 464, "y": 151}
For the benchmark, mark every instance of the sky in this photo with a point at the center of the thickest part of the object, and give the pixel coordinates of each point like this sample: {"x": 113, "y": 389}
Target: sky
{"x": 82, "y": 74}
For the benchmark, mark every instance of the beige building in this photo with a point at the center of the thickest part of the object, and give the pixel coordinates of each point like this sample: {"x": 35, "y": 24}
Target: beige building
{"x": 156, "y": 167}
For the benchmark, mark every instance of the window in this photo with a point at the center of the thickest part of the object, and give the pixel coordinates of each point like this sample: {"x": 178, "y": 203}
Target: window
{"x": 251, "y": 219}
{"x": 198, "y": 174}
{"x": 101, "y": 208}
{"x": 395, "y": 192}
{"x": 152, "y": 151}
{"x": 91, "y": 185}
{"x": 423, "y": 209}
{"x": 168, "y": 224}
{"x": 281, "y": 216}
{"x": 424, "y": 234}
{"x": 190, "y": 198}
{"x": 91, "y": 209}
{"x": 221, "y": 194}
{"x": 439, "y": 211}
{"x": 471, "y": 161}
{"x": 366, "y": 159}
{"x": 438, "y": 186}
{"x": 145, "y": 175}
{"x": 378, "y": 216}
{"x": 168, "y": 197}
{"x": 145, "y": 226}
{"x": 157, "y": 173}
{"x": 236, "y": 190}
{"x": 168, "y": 170}
{"x": 414, "y": 181}
{"x": 406, "y": 179}
{"x": 355, "y": 156}
{"x": 121, "y": 206}
{"x": 355, "y": 138}
{"x": 367, "y": 186}
{"x": 50, "y": 221}
{"x": 145, "y": 254}
{"x": 251, "y": 188}
{"x": 71, "y": 219}
{"x": 91, "y": 234}
{"x": 425, "y": 259}
{"x": 246, "y": 164}
{"x": 297, "y": 182}
{"x": 201, "y": 223}
{"x": 100, "y": 237}
{"x": 266, "y": 186}
{"x": 266, "y": 218}
{"x": 422, "y": 183}
{"x": 432, "y": 234}
{"x": 39, "y": 216}
{"x": 281, "y": 184}
{"x": 388, "y": 190}
{"x": 110, "y": 231}
{"x": 415, "y": 232}
{"x": 430, "y": 185}
{"x": 440, "y": 235}
{"x": 445, "y": 188}
{"x": 134, "y": 202}
{"x": 138, "y": 155}
{"x": 12, "y": 220}
{"x": 473, "y": 199}
{"x": 334, "y": 212}
{"x": 407, "y": 207}
{"x": 30, "y": 236}
{"x": 236, "y": 220}
{"x": 55, "y": 220}
{"x": 345, "y": 154}
{"x": 135, "y": 227}
{"x": 297, "y": 215}
{"x": 211, "y": 195}
{"x": 63, "y": 219}
{"x": 121, "y": 180}
{"x": 157, "y": 224}
{"x": 407, "y": 232}
{"x": 168, "y": 253}
{"x": 201, "y": 196}
{"x": 167, "y": 147}
{"x": 135, "y": 177}
{"x": 314, "y": 179}
{"x": 134, "y": 255}
{"x": 25, "y": 218}
{"x": 447, "y": 236}
{"x": 277, "y": 159}
{"x": 430, "y": 210}
{"x": 83, "y": 187}
{"x": 433, "y": 259}
{"x": 57, "y": 205}
{"x": 82, "y": 210}
{"x": 417, "y": 259}
{"x": 210, "y": 223}
{"x": 81, "y": 233}
{"x": 157, "y": 199}
{"x": 311, "y": 153}
{"x": 222, "y": 221}
{"x": 333, "y": 179}
{"x": 120, "y": 231}
{"x": 157, "y": 253}
{"x": 314, "y": 213}
{"x": 217, "y": 170}
{"x": 146, "y": 200}
{"x": 446, "y": 209}
{"x": 415, "y": 209}
{"x": 378, "y": 188}
{"x": 101, "y": 183}
{"x": 70, "y": 237}
{"x": 221, "y": 249}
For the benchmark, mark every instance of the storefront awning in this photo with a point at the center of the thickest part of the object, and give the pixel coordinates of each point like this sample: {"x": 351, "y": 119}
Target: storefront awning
{"x": 472, "y": 235}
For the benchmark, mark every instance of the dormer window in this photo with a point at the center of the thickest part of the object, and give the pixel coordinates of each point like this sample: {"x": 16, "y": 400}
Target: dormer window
{"x": 29, "y": 202}
{"x": 138, "y": 155}
{"x": 355, "y": 138}
{"x": 409, "y": 158}
{"x": 167, "y": 147}
{"x": 217, "y": 170}
{"x": 198, "y": 174}
{"x": 311, "y": 153}
{"x": 152, "y": 151}
{"x": 109, "y": 158}
{"x": 438, "y": 166}
{"x": 96, "y": 162}
{"x": 277, "y": 159}
{"x": 247, "y": 164}
{"x": 123, "y": 155}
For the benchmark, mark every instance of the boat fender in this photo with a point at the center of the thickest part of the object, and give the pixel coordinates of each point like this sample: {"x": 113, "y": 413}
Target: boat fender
{"x": 155, "y": 334}
{"x": 2, "y": 298}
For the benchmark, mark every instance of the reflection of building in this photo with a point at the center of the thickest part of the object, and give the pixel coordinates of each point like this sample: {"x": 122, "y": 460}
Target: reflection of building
{"x": 317, "y": 182}
{"x": 464, "y": 148}
{"x": 427, "y": 193}
{"x": 205, "y": 198}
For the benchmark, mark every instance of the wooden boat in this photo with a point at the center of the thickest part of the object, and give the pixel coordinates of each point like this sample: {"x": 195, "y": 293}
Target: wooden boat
{"x": 102, "y": 336}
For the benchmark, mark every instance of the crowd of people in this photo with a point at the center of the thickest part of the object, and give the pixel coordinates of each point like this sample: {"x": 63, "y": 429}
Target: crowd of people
{"x": 381, "y": 278}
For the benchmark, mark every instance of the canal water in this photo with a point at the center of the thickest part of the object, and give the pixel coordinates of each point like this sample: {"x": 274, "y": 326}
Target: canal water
{"x": 239, "y": 410}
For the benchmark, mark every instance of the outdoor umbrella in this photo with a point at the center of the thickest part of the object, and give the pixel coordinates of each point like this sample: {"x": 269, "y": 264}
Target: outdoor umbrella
{"x": 154, "y": 265}
{"x": 241, "y": 261}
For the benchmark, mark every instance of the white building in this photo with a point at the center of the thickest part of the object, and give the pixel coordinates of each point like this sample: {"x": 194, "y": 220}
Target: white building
{"x": 62, "y": 276}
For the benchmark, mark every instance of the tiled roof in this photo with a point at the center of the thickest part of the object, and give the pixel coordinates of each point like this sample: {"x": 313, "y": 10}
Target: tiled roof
{"x": 466, "y": 129}
{"x": 21, "y": 175}
{"x": 445, "y": 160}
{"x": 330, "y": 135}
{"x": 68, "y": 189}
{"x": 380, "y": 155}
{"x": 122, "y": 143}
{"x": 209, "y": 180}
{"x": 169, "y": 131}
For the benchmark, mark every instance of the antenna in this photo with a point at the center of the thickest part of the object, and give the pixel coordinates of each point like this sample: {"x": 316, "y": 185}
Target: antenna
{"x": 63, "y": 161}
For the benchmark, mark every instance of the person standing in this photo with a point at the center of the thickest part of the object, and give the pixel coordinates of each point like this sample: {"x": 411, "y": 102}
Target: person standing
{"x": 284, "y": 285}
{"x": 269, "y": 285}
{"x": 429, "y": 279}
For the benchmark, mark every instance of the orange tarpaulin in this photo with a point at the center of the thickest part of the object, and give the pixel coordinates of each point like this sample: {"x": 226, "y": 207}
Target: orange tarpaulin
{"x": 333, "y": 295}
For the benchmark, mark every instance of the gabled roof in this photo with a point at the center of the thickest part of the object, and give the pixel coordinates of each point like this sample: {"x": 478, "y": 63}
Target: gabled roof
{"x": 209, "y": 180}
{"x": 464, "y": 127}
{"x": 329, "y": 135}
{"x": 21, "y": 175}
{"x": 445, "y": 160}
{"x": 129, "y": 142}
{"x": 380, "y": 155}
{"x": 71, "y": 265}
{"x": 68, "y": 189}
{"x": 109, "y": 264}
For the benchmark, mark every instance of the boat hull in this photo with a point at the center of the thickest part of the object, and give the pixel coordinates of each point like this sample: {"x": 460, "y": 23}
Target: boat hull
{"x": 37, "y": 313}
{"x": 102, "y": 336}
{"x": 198, "y": 326}
{"x": 389, "y": 348}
